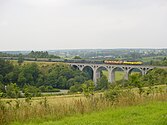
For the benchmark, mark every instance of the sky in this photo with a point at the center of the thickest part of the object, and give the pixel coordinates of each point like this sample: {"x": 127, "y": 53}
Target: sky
{"x": 82, "y": 24}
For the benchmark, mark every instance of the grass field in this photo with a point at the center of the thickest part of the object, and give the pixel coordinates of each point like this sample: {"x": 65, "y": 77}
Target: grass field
{"x": 148, "y": 59}
{"x": 154, "y": 113}
{"x": 76, "y": 109}
{"x": 118, "y": 75}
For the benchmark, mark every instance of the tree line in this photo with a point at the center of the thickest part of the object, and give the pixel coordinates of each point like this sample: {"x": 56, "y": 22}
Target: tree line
{"x": 32, "y": 54}
{"x": 44, "y": 77}
{"x": 41, "y": 54}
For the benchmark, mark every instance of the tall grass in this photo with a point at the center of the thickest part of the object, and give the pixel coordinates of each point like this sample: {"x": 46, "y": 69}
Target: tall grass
{"x": 54, "y": 108}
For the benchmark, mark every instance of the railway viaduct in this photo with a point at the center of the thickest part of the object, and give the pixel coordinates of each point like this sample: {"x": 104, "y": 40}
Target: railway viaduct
{"x": 127, "y": 69}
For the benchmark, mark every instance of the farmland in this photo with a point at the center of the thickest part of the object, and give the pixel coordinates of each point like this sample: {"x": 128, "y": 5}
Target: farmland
{"x": 101, "y": 108}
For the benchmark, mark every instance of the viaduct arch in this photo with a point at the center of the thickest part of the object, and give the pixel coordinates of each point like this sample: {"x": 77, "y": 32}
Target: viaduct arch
{"x": 111, "y": 69}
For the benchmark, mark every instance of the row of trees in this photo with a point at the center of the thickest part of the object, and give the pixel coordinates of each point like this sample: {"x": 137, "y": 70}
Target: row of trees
{"x": 2, "y": 54}
{"x": 32, "y": 54}
{"x": 41, "y": 54}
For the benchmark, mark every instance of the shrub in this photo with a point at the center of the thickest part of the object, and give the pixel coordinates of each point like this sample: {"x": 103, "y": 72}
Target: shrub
{"x": 48, "y": 89}
{"x": 113, "y": 93}
{"x": 12, "y": 91}
{"x": 76, "y": 88}
{"x": 31, "y": 91}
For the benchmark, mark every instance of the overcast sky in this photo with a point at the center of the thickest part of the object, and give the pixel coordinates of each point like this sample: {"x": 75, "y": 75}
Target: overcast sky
{"x": 68, "y": 24}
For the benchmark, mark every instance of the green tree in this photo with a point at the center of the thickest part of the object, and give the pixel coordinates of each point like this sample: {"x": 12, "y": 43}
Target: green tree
{"x": 30, "y": 73}
{"x": 76, "y": 87}
{"x": 5, "y": 67}
{"x": 77, "y": 57}
{"x": 31, "y": 91}
{"x": 20, "y": 59}
{"x": 2, "y": 88}
{"x": 1, "y": 78}
{"x": 88, "y": 88}
{"x": 102, "y": 83}
{"x": 70, "y": 82}
{"x": 21, "y": 79}
{"x": 135, "y": 80}
{"x": 12, "y": 91}
{"x": 62, "y": 82}
{"x": 113, "y": 93}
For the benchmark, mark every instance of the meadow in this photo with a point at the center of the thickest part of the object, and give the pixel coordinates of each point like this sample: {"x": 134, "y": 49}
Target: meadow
{"x": 153, "y": 113}
{"x": 125, "y": 104}
{"x": 119, "y": 75}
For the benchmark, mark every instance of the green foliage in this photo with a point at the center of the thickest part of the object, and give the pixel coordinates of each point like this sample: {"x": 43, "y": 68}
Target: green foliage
{"x": 28, "y": 74}
{"x": 31, "y": 91}
{"x": 2, "y": 89}
{"x": 20, "y": 59}
{"x": 122, "y": 83}
{"x": 88, "y": 88}
{"x": 21, "y": 79}
{"x": 77, "y": 87}
{"x": 5, "y": 67}
{"x": 62, "y": 82}
{"x": 1, "y": 78}
{"x": 77, "y": 57}
{"x": 3, "y": 54}
{"x": 162, "y": 62}
{"x": 155, "y": 77}
{"x": 113, "y": 93}
{"x": 38, "y": 54}
{"x": 48, "y": 89}
{"x": 12, "y": 91}
{"x": 135, "y": 81}
{"x": 63, "y": 76}
{"x": 102, "y": 83}
{"x": 41, "y": 54}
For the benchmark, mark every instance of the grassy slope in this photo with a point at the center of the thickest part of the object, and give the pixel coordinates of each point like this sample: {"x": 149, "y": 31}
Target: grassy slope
{"x": 118, "y": 75}
{"x": 147, "y": 114}
{"x": 155, "y": 58}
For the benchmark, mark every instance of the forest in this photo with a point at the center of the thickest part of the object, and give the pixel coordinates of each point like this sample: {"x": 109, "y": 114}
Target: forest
{"x": 37, "y": 78}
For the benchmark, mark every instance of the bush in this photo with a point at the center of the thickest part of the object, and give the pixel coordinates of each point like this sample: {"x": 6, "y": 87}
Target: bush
{"x": 12, "y": 91}
{"x": 113, "y": 93}
{"x": 31, "y": 91}
{"x": 76, "y": 88}
{"x": 88, "y": 88}
{"x": 48, "y": 89}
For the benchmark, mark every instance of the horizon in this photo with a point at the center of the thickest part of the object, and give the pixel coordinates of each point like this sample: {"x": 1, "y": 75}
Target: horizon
{"x": 87, "y": 49}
